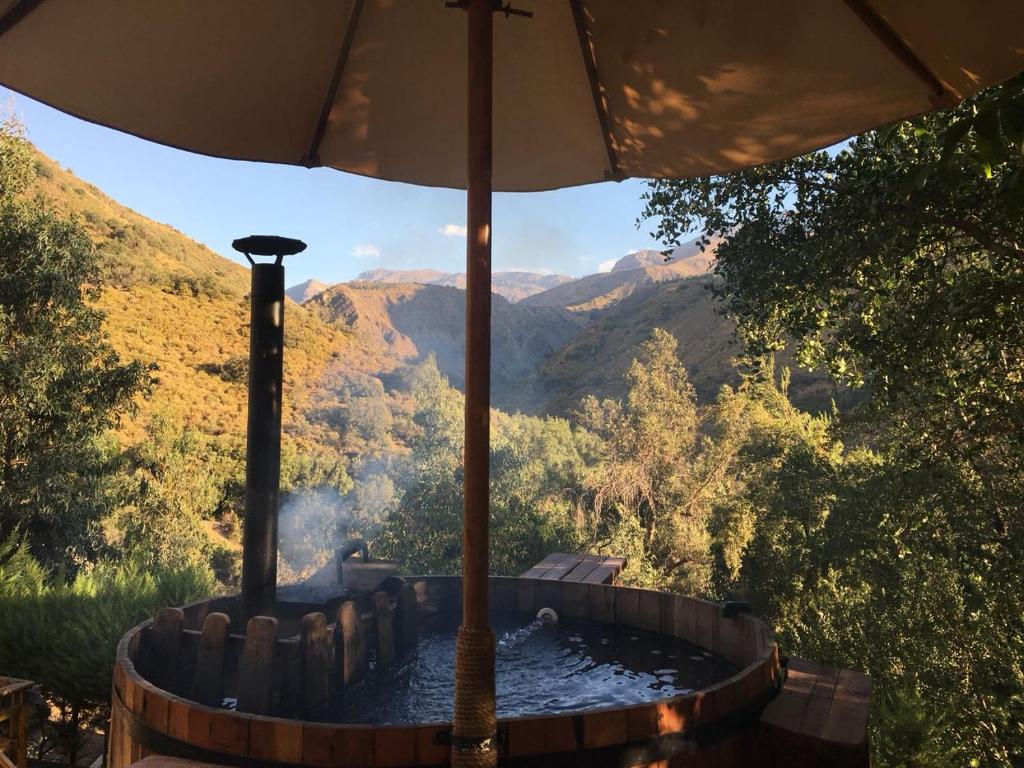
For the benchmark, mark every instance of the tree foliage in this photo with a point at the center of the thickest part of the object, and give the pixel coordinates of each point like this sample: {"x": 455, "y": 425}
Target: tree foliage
{"x": 896, "y": 262}
{"x": 646, "y": 484}
{"x": 61, "y": 384}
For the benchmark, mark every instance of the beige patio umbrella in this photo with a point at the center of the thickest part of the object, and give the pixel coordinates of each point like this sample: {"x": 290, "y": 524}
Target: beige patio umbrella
{"x": 578, "y": 91}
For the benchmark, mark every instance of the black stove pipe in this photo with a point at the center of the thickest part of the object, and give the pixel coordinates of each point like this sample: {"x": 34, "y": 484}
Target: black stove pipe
{"x": 263, "y": 449}
{"x": 263, "y": 445}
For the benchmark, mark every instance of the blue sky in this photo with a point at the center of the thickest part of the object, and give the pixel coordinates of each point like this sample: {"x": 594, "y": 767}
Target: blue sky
{"x": 350, "y": 223}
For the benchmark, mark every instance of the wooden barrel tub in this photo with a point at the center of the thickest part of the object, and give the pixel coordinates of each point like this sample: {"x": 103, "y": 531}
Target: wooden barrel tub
{"x": 153, "y": 714}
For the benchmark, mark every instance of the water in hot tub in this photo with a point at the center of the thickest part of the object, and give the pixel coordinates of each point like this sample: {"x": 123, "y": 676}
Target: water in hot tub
{"x": 540, "y": 669}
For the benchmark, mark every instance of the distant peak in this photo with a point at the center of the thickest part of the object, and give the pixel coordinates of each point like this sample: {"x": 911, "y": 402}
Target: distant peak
{"x": 305, "y": 290}
{"x": 687, "y": 258}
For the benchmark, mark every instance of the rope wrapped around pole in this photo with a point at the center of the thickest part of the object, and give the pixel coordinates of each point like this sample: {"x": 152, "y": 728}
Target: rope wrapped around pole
{"x": 473, "y": 738}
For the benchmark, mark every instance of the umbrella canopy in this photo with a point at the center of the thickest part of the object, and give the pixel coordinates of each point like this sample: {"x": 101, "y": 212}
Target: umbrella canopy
{"x": 584, "y": 91}
{"x": 576, "y": 91}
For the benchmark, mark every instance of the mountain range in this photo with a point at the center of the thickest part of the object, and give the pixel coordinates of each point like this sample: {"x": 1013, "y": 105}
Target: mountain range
{"x": 511, "y": 285}
{"x": 175, "y": 302}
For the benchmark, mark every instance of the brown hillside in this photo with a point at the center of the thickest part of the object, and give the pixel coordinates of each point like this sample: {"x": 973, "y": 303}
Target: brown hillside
{"x": 597, "y": 359}
{"x": 175, "y": 302}
{"x": 411, "y": 321}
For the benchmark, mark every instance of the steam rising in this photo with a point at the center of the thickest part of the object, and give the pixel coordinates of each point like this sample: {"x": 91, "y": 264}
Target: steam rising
{"x": 314, "y": 522}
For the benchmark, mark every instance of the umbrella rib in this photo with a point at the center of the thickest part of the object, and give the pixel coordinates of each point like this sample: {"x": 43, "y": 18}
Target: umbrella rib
{"x": 17, "y": 13}
{"x": 941, "y": 94}
{"x": 596, "y": 89}
{"x": 312, "y": 157}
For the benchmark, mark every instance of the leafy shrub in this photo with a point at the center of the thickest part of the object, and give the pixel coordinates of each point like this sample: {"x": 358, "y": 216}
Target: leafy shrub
{"x": 64, "y": 635}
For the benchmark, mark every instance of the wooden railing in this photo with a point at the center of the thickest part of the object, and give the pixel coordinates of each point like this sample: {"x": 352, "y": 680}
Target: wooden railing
{"x": 13, "y": 723}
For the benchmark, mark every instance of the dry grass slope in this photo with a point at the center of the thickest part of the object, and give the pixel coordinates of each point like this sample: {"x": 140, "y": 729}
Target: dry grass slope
{"x": 175, "y": 302}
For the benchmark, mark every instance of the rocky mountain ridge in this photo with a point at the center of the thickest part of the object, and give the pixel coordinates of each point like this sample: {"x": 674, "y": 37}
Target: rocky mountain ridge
{"x": 511, "y": 285}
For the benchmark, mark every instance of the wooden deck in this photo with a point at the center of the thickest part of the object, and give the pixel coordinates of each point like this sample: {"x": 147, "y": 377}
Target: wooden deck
{"x": 589, "y": 569}
{"x": 819, "y": 719}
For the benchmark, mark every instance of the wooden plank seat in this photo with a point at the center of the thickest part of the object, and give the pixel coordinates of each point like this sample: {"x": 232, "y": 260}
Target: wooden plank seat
{"x": 590, "y": 569}
{"x": 819, "y": 719}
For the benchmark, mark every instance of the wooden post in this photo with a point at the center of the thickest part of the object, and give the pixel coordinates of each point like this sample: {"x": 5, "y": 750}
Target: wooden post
{"x": 164, "y": 645}
{"x": 21, "y": 733}
{"x": 208, "y": 683}
{"x": 474, "y": 724}
{"x": 256, "y": 671}
{"x": 385, "y": 632}
{"x": 406, "y": 629}
{"x": 353, "y": 641}
{"x": 315, "y": 650}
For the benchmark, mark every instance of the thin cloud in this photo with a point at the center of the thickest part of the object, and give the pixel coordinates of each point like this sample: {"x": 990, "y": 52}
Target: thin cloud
{"x": 453, "y": 230}
{"x": 606, "y": 266}
{"x": 366, "y": 251}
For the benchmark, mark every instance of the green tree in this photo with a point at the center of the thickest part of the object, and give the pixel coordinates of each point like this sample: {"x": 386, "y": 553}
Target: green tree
{"x": 896, "y": 264}
{"x": 648, "y": 487}
{"x": 170, "y": 486}
{"x": 535, "y": 468}
{"x": 61, "y": 384}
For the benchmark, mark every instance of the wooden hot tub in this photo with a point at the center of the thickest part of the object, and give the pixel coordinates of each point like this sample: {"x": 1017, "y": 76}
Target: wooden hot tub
{"x": 155, "y": 676}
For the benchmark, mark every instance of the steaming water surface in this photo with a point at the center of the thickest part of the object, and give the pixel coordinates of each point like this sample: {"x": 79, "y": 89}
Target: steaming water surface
{"x": 568, "y": 667}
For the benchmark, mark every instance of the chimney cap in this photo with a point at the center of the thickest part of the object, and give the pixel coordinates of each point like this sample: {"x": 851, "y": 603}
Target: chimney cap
{"x": 268, "y": 245}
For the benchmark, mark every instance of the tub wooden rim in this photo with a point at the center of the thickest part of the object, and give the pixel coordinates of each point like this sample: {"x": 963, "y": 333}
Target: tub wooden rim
{"x": 248, "y": 739}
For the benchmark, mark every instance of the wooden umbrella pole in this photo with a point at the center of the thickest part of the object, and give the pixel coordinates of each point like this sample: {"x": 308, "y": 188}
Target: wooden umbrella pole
{"x": 473, "y": 727}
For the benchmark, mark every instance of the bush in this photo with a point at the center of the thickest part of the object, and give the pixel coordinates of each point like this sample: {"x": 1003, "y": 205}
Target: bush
{"x": 64, "y": 635}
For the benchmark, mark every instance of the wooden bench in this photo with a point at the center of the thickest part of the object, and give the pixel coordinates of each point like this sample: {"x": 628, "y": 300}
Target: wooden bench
{"x": 590, "y": 569}
{"x": 13, "y": 722}
{"x": 819, "y": 720}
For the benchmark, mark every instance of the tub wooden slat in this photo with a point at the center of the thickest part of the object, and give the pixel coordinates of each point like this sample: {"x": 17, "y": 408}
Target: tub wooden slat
{"x": 354, "y": 747}
{"x": 524, "y": 737}
{"x": 256, "y": 671}
{"x": 574, "y": 600}
{"x": 394, "y": 747}
{"x": 430, "y": 751}
{"x": 601, "y": 603}
{"x": 603, "y": 728}
{"x": 406, "y": 629}
{"x": 274, "y": 739}
{"x": 164, "y": 646}
{"x": 219, "y": 731}
{"x": 208, "y": 679}
{"x": 526, "y": 595}
{"x": 641, "y": 723}
{"x": 386, "y": 657}
{"x": 316, "y": 744}
{"x": 627, "y": 607}
{"x": 548, "y": 594}
{"x": 177, "y": 718}
{"x": 316, "y": 652}
{"x": 353, "y": 642}
{"x": 650, "y": 611}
